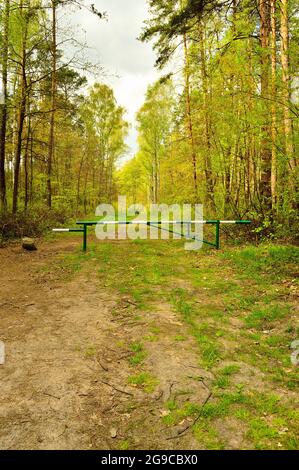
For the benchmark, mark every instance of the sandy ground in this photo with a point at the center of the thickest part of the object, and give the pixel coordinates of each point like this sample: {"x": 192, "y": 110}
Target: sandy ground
{"x": 64, "y": 384}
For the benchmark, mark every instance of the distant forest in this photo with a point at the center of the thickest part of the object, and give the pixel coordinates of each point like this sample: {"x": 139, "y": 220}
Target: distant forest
{"x": 220, "y": 127}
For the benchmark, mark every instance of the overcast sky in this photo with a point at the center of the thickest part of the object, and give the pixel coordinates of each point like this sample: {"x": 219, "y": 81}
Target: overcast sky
{"x": 114, "y": 44}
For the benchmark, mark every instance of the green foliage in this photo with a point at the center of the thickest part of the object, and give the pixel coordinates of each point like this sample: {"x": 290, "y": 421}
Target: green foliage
{"x": 89, "y": 126}
{"x": 32, "y": 223}
{"x": 228, "y": 124}
{"x": 172, "y": 19}
{"x": 141, "y": 175}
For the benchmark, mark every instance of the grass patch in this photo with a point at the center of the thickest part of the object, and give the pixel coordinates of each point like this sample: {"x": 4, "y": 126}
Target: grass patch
{"x": 139, "y": 354}
{"x": 237, "y": 308}
{"x": 123, "y": 445}
{"x": 262, "y": 318}
{"x": 90, "y": 352}
{"x": 261, "y": 433}
{"x": 273, "y": 261}
{"x": 208, "y": 436}
{"x": 180, "y": 338}
{"x": 144, "y": 380}
{"x": 229, "y": 370}
{"x": 136, "y": 347}
{"x": 176, "y": 414}
{"x": 210, "y": 352}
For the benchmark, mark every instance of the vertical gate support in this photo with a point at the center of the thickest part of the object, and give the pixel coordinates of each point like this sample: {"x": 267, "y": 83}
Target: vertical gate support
{"x": 217, "y": 241}
{"x": 84, "y": 238}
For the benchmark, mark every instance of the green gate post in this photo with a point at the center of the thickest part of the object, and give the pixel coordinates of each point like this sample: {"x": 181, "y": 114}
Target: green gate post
{"x": 217, "y": 234}
{"x": 84, "y": 237}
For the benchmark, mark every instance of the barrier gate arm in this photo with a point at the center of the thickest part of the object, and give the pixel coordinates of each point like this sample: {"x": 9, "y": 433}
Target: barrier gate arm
{"x": 156, "y": 224}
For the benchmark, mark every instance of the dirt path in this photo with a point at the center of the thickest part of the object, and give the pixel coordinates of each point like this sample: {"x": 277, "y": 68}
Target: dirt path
{"x": 65, "y": 383}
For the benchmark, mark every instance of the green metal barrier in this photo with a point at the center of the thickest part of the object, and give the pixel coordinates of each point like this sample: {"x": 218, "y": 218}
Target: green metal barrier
{"x": 157, "y": 224}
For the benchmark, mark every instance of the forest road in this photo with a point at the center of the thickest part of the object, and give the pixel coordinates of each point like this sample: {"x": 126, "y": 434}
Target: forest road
{"x": 65, "y": 382}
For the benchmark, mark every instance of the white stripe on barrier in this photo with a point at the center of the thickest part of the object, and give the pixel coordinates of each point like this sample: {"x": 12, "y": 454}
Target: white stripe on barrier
{"x": 172, "y": 222}
{"x": 149, "y": 222}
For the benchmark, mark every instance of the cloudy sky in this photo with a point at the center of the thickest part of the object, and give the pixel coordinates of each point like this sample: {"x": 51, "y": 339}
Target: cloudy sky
{"x": 129, "y": 64}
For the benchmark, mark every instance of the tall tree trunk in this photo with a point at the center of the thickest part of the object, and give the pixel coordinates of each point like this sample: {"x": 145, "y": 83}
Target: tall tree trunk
{"x": 207, "y": 122}
{"x": 82, "y": 159}
{"x": 250, "y": 135}
{"x": 31, "y": 168}
{"x": 18, "y": 151}
{"x": 265, "y": 184}
{"x": 189, "y": 123}
{"x": 273, "y": 107}
{"x": 21, "y": 111}
{"x": 155, "y": 179}
{"x": 51, "y": 149}
{"x": 229, "y": 159}
{"x": 3, "y": 127}
{"x": 26, "y": 169}
{"x": 284, "y": 32}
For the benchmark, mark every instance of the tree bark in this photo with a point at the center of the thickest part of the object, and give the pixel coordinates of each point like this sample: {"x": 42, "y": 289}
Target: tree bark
{"x": 207, "y": 122}
{"x": 284, "y": 31}
{"x": 3, "y": 127}
{"x": 51, "y": 149}
{"x": 189, "y": 123}
{"x": 26, "y": 169}
{"x": 273, "y": 107}
{"x": 21, "y": 112}
{"x": 265, "y": 152}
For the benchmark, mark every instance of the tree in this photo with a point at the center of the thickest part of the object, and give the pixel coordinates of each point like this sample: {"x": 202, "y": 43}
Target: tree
{"x": 24, "y": 19}
{"x": 237, "y": 106}
{"x": 285, "y": 92}
{"x": 106, "y": 130}
{"x": 265, "y": 185}
{"x": 51, "y": 146}
{"x": 3, "y": 105}
{"x": 189, "y": 123}
{"x": 154, "y": 128}
{"x": 274, "y": 105}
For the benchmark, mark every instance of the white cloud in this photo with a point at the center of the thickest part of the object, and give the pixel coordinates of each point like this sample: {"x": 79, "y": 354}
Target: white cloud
{"x": 114, "y": 44}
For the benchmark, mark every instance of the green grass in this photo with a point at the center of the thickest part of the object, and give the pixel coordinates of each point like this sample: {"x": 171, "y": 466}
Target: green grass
{"x": 208, "y": 436}
{"x": 229, "y": 370}
{"x": 90, "y": 352}
{"x": 176, "y": 414}
{"x": 139, "y": 354}
{"x": 264, "y": 317}
{"x": 179, "y": 338}
{"x": 235, "y": 306}
{"x": 123, "y": 445}
{"x": 144, "y": 380}
{"x": 265, "y": 261}
{"x": 136, "y": 347}
{"x": 137, "y": 359}
{"x": 261, "y": 433}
